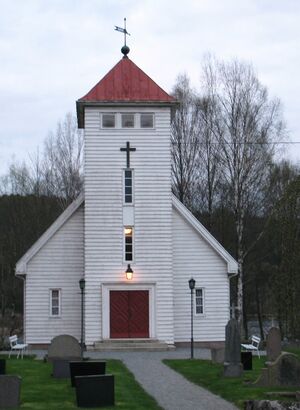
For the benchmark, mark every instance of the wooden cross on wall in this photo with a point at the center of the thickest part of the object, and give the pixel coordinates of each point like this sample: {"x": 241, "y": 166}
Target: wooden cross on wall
{"x": 128, "y": 150}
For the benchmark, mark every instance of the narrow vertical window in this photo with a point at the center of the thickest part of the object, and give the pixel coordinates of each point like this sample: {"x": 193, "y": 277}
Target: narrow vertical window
{"x": 55, "y": 302}
{"x": 128, "y": 194}
{"x": 128, "y": 234}
{"x": 199, "y": 301}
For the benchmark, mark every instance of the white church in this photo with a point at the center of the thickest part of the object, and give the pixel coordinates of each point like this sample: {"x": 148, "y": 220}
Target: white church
{"x": 134, "y": 243}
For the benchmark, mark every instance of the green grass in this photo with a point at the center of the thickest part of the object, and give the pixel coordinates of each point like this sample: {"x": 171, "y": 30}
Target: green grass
{"x": 236, "y": 390}
{"x": 40, "y": 391}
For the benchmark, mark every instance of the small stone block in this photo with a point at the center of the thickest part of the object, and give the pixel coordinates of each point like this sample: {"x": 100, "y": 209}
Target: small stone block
{"x": 218, "y": 355}
{"x": 2, "y": 366}
{"x": 86, "y": 368}
{"x": 233, "y": 370}
{"x": 246, "y": 359}
{"x": 61, "y": 369}
{"x": 10, "y": 391}
{"x": 95, "y": 391}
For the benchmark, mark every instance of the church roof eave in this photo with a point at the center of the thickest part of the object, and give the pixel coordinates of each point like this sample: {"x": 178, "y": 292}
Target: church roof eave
{"x": 232, "y": 265}
{"x": 21, "y": 265}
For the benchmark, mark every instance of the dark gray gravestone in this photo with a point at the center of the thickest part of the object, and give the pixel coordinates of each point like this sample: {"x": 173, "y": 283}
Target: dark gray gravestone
{"x": 284, "y": 372}
{"x": 63, "y": 349}
{"x": 64, "y": 346}
{"x": 232, "y": 363}
{"x": 2, "y": 366}
{"x": 10, "y": 389}
{"x": 86, "y": 368}
{"x": 273, "y": 344}
{"x": 95, "y": 391}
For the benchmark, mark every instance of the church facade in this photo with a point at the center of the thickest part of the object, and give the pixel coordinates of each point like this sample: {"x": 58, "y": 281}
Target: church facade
{"x": 133, "y": 242}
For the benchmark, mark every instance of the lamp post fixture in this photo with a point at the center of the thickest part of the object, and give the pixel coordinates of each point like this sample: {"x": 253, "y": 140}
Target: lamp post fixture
{"x": 129, "y": 272}
{"x": 192, "y": 284}
{"x": 82, "y": 286}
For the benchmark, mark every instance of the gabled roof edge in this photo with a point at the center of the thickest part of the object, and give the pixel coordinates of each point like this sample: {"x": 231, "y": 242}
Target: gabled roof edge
{"x": 232, "y": 265}
{"x": 21, "y": 265}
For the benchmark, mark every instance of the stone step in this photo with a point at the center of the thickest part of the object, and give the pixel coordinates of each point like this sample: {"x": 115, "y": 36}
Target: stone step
{"x": 132, "y": 345}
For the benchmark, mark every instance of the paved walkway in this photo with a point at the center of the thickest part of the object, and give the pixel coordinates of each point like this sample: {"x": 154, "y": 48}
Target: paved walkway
{"x": 171, "y": 390}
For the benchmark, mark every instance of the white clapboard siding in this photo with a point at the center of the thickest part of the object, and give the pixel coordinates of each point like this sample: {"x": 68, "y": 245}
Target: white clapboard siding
{"x": 194, "y": 257}
{"x": 59, "y": 264}
{"x": 104, "y": 164}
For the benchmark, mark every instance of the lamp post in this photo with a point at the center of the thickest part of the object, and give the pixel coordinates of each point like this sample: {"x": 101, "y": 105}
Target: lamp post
{"x": 192, "y": 284}
{"x": 82, "y": 286}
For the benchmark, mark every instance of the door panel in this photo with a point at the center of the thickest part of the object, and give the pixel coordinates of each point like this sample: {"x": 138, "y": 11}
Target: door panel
{"x": 129, "y": 314}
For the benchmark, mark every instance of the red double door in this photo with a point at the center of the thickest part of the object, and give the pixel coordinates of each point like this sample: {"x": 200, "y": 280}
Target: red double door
{"x": 129, "y": 314}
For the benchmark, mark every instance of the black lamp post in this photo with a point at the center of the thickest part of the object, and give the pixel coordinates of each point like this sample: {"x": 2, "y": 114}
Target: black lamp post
{"x": 192, "y": 284}
{"x": 82, "y": 286}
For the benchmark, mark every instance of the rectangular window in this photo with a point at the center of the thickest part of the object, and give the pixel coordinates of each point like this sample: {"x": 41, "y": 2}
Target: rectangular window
{"x": 128, "y": 188}
{"x": 199, "y": 301}
{"x": 147, "y": 121}
{"x": 128, "y": 234}
{"x": 54, "y": 302}
{"x": 108, "y": 121}
{"x": 127, "y": 120}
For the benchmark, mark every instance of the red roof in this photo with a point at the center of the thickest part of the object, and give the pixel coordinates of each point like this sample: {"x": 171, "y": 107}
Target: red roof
{"x": 126, "y": 82}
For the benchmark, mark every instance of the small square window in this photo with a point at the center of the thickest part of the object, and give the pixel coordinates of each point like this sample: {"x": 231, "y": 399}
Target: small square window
{"x": 127, "y": 120}
{"x": 146, "y": 120}
{"x": 108, "y": 121}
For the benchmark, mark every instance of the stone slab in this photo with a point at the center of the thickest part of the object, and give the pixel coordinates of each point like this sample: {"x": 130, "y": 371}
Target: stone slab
{"x": 218, "y": 355}
{"x": 10, "y": 391}
{"x": 233, "y": 369}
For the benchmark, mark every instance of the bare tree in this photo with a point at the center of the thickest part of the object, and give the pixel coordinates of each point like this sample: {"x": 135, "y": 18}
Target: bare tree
{"x": 246, "y": 124}
{"x": 185, "y": 142}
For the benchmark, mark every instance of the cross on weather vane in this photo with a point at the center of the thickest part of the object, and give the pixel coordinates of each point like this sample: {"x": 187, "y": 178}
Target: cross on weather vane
{"x": 125, "y": 49}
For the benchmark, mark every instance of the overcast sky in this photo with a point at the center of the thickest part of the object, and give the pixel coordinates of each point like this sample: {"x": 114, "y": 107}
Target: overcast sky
{"x": 53, "y": 51}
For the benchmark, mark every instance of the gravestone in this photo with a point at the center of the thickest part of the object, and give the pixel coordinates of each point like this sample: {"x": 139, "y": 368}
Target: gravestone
{"x": 64, "y": 346}
{"x": 232, "y": 363}
{"x": 63, "y": 349}
{"x": 95, "y": 391}
{"x": 273, "y": 344}
{"x": 86, "y": 368}
{"x": 284, "y": 372}
{"x": 10, "y": 389}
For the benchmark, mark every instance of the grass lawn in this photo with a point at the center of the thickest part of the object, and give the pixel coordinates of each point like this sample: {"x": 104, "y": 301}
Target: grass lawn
{"x": 236, "y": 390}
{"x": 39, "y": 391}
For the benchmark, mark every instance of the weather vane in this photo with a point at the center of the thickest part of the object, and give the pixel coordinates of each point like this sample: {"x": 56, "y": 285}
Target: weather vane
{"x": 125, "y": 49}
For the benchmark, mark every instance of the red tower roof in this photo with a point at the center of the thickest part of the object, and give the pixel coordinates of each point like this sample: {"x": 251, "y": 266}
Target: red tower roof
{"x": 125, "y": 83}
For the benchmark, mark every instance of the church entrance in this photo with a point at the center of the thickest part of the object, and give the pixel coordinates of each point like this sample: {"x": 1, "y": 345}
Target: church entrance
{"x": 129, "y": 314}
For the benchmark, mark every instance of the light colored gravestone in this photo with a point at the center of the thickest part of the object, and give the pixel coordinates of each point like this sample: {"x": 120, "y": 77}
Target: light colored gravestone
{"x": 232, "y": 364}
{"x": 284, "y": 372}
{"x": 64, "y": 347}
{"x": 10, "y": 389}
{"x": 273, "y": 344}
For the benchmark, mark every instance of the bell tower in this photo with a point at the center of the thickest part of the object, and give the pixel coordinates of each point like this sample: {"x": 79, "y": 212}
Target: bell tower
{"x": 128, "y": 207}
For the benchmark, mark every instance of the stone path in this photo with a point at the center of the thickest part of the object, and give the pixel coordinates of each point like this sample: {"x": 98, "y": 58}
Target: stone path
{"x": 169, "y": 388}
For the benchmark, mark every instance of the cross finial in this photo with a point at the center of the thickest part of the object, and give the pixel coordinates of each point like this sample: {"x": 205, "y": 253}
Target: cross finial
{"x": 125, "y": 49}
